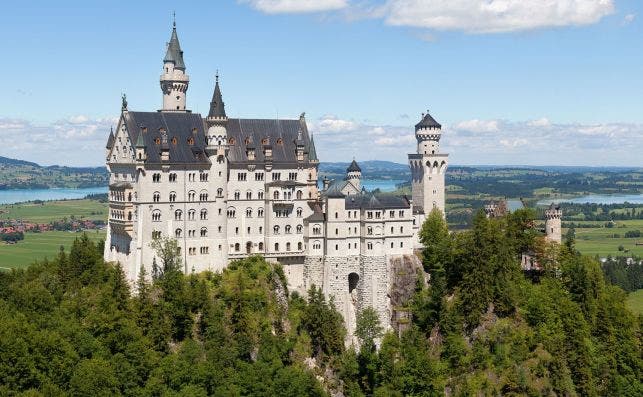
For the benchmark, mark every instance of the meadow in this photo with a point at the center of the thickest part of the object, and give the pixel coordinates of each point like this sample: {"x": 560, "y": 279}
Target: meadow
{"x": 37, "y": 246}
{"x": 602, "y": 241}
{"x": 49, "y": 211}
{"x": 635, "y": 302}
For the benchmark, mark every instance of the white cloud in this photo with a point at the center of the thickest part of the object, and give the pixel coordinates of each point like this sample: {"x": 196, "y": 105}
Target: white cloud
{"x": 629, "y": 18}
{"x": 77, "y": 141}
{"x": 494, "y": 16}
{"x": 477, "y": 125}
{"x": 296, "y": 6}
{"x": 332, "y": 124}
{"x": 543, "y": 122}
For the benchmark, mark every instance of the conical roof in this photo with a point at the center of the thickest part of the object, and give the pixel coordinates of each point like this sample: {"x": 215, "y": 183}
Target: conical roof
{"x": 140, "y": 142}
{"x": 217, "y": 107}
{"x": 427, "y": 122}
{"x": 111, "y": 139}
{"x": 174, "y": 53}
{"x": 353, "y": 167}
{"x": 312, "y": 153}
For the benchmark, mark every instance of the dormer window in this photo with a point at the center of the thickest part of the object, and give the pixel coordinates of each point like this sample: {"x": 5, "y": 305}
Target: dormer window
{"x": 174, "y": 140}
{"x": 280, "y": 141}
{"x": 265, "y": 141}
{"x": 157, "y": 141}
{"x": 231, "y": 141}
{"x": 190, "y": 141}
{"x": 247, "y": 141}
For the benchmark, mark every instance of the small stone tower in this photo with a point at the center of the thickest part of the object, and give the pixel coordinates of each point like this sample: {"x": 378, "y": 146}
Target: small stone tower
{"x": 553, "y": 227}
{"x": 428, "y": 166}
{"x": 174, "y": 81}
{"x": 354, "y": 175}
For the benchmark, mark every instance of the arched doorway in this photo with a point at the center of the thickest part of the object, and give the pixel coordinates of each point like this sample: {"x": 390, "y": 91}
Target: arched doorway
{"x": 353, "y": 279}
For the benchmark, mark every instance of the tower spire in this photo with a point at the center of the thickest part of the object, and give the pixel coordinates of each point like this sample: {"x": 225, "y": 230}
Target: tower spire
{"x": 174, "y": 81}
{"x": 217, "y": 107}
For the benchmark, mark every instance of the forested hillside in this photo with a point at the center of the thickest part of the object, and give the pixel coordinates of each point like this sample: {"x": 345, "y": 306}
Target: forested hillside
{"x": 480, "y": 327}
{"x": 19, "y": 174}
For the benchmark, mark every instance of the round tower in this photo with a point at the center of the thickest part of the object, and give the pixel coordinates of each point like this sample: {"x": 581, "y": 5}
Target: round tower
{"x": 553, "y": 223}
{"x": 174, "y": 81}
{"x": 354, "y": 175}
{"x": 428, "y": 166}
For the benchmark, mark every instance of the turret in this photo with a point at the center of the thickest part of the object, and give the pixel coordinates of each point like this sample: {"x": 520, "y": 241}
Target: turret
{"x": 174, "y": 81}
{"x": 553, "y": 223}
{"x": 354, "y": 175}
{"x": 217, "y": 121}
{"x": 428, "y": 166}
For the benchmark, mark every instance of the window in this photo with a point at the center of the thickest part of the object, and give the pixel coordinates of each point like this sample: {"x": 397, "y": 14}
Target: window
{"x": 191, "y": 195}
{"x": 219, "y": 192}
{"x": 203, "y": 177}
{"x": 237, "y": 247}
{"x": 156, "y": 177}
{"x": 241, "y": 176}
{"x": 401, "y": 229}
{"x": 219, "y": 229}
{"x": 391, "y": 244}
{"x": 299, "y": 229}
{"x": 299, "y": 246}
{"x": 204, "y": 214}
{"x": 156, "y": 216}
{"x": 292, "y": 176}
{"x": 172, "y": 177}
{"x": 392, "y": 231}
{"x": 275, "y": 195}
{"x": 401, "y": 244}
{"x": 401, "y": 214}
{"x": 178, "y": 214}
{"x": 260, "y": 195}
{"x": 275, "y": 229}
{"x": 369, "y": 214}
{"x": 258, "y": 176}
{"x": 377, "y": 214}
{"x": 204, "y": 232}
{"x": 317, "y": 245}
{"x": 172, "y": 197}
{"x": 287, "y": 246}
{"x": 248, "y": 195}
{"x": 204, "y": 250}
{"x": 260, "y": 213}
{"x": 248, "y": 229}
{"x": 391, "y": 214}
{"x": 316, "y": 229}
{"x": 156, "y": 197}
{"x": 336, "y": 215}
{"x": 336, "y": 232}
{"x": 276, "y": 247}
{"x": 276, "y": 176}
{"x": 236, "y": 230}
{"x": 237, "y": 195}
{"x": 369, "y": 246}
{"x": 191, "y": 215}
{"x": 190, "y": 233}
{"x": 299, "y": 212}
{"x": 288, "y": 229}
{"x": 203, "y": 196}
{"x": 156, "y": 234}
{"x": 336, "y": 247}
{"x": 177, "y": 233}
{"x": 260, "y": 246}
{"x": 369, "y": 230}
{"x": 300, "y": 194}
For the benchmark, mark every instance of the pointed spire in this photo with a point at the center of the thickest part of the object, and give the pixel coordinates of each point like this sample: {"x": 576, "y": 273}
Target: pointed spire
{"x": 217, "y": 107}
{"x": 353, "y": 167}
{"x": 174, "y": 53}
{"x": 140, "y": 142}
{"x": 427, "y": 122}
{"x": 312, "y": 153}
{"x": 111, "y": 139}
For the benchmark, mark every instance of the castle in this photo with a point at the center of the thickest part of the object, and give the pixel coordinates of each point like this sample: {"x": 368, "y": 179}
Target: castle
{"x": 229, "y": 188}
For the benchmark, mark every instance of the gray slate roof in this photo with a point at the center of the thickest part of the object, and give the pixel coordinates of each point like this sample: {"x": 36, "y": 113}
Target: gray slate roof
{"x": 174, "y": 53}
{"x": 179, "y": 127}
{"x": 353, "y": 167}
{"x": 217, "y": 107}
{"x": 281, "y": 134}
{"x": 110, "y": 140}
{"x": 427, "y": 122}
{"x": 312, "y": 152}
{"x": 376, "y": 201}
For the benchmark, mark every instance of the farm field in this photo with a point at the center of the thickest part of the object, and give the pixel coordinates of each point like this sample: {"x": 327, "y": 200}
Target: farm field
{"x": 635, "y": 302}
{"x": 600, "y": 241}
{"x": 55, "y": 210}
{"x": 37, "y": 246}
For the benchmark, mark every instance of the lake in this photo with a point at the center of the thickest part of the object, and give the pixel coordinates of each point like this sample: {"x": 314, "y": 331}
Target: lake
{"x": 598, "y": 199}
{"x": 385, "y": 185}
{"x": 21, "y": 195}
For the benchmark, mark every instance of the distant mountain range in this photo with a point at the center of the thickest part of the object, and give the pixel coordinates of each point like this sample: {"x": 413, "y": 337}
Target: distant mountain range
{"x": 21, "y": 174}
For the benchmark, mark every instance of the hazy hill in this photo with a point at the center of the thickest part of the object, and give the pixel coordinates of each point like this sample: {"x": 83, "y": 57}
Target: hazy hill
{"x": 21, "y": 174}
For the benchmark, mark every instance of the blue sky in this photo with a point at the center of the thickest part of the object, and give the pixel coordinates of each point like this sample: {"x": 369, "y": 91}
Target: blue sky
{"x": 512, "y": 81}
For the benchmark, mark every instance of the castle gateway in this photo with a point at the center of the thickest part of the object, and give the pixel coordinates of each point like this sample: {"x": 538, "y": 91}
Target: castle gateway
{"x": 229, "y": 188}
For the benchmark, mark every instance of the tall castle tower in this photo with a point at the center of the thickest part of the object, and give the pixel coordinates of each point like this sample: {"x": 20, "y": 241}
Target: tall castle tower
{"x": 354, "y": 175}
{"x": 428, "y": 166}
{"x": 174, "y": 81}
{"x": 217, "y": 150}
{"x": 553, "y": 227}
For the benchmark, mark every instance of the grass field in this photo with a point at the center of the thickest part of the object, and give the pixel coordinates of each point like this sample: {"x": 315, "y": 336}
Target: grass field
{"x": 599, "y": 241}
{"x": 55, "y": 210}
{"x": 37, "y": 246}
{"x": 635, "y": 302}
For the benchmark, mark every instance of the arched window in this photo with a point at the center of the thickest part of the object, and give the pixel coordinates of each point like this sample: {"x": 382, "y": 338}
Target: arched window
{"x": 237, "y": 195}
{"x": 156, "y": 197}
{"x": 316, "y": 229}
{"x": 191, "y": 215}
{"x": 219, "y": 192}
{"x": 178, "y": 214}
{"x": 204, "y": 214}
{"x": 275, "y": 229}
{"x": 203, "y": 196}
{"x": 231, "y": 212}
{"x": 299, "y": 229}
{"x": 299, "y": 212}
{"x": 237, "y": 247}
{"x": 248, "y": 212}
{"x": 248, "y": 195}
{"x": 156, "y": 216}
{"x": 275, "y": 195}
{"x": 260, "y": 246}
{"x": 260, "y": 212}
{"x": 177, "y": 233}
{"x": 276, "y": 247}
{"x": 300, "y": 194}
{"x": 172, "y": 196}
{"x": 299, "y": 246}
{"x": 204, "y": 232}
{"x": 260, "y": 195}
{"x": 191, "y": 195}
{"x": 317, "y": 245}
{"x": 288, "y": 229}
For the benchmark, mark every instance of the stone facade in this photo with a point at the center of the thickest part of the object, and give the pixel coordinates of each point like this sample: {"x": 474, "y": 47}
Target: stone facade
{"x": 227, "y": 189}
